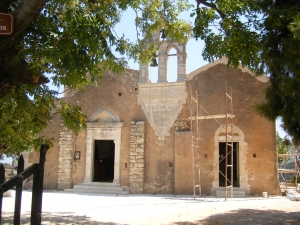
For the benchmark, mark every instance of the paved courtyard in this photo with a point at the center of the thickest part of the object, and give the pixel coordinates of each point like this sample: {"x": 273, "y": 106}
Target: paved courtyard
{"x": 66, "y": 208}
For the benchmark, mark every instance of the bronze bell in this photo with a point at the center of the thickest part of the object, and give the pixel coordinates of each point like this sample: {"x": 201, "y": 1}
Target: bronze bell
{"x": 154, "y": 63}
{"x": 163, "y": 35}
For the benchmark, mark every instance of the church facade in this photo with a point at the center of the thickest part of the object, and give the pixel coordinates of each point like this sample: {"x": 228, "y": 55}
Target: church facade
{"x": 150, "y": 137}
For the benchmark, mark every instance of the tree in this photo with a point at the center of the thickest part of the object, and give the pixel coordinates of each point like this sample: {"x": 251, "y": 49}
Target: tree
{"x": 75, "y": 42}
{"x": 263, "y": 35}
{"x": 284, "y": 146}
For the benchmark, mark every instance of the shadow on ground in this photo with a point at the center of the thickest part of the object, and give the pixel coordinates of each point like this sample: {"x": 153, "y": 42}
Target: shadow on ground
{"x": 242, "y": 216}
{"x": 250, "y": 216}
{"x": 52, "y": 218}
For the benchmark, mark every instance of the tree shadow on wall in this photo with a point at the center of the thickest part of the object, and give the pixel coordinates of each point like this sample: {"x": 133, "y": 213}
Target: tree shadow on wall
{"x": 58, "y": 218}
{"x": 249, "y": 216}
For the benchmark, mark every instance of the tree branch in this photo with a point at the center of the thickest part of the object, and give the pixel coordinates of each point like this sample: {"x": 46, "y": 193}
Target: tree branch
{"x": 15, "y": 73}
{"x": 211, "y": 5}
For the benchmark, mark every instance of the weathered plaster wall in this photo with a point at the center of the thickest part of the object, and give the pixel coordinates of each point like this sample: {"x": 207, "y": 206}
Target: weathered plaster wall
{"x": 78, "y": 166}
{"x": 121, "y": 101}
{"x": 259, "y": 133}
{"x": 159, "y": 173}
{"x": 183, "y": 177}
{"x": 167, "y": 164}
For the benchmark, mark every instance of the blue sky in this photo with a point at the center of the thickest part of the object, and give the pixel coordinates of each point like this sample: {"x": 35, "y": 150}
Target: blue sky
{"x": 194, "y": 48}
{"x": 194, "y": 51}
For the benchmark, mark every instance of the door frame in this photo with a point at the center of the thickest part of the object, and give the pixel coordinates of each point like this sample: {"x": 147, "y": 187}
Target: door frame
{"x": 102, "y": 131}
{"x": 242, "y": 158}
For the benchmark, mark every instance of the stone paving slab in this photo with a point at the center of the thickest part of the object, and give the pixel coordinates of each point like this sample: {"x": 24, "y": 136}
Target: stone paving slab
{"x": 65, "y": 208}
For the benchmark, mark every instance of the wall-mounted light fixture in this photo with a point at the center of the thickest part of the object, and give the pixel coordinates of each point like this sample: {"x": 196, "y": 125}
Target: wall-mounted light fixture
{"x": 77, "y": 155}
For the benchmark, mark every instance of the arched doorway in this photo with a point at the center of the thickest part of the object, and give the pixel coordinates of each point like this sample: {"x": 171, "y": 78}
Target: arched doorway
{"x": 235, "y": 164}
{"x": 240, "y": 177}
{"x": 103, "y": 139}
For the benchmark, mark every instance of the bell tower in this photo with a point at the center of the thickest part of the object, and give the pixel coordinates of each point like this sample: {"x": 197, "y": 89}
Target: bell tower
{"x": 162, "y": 102}
{"x": 165, "y": 45}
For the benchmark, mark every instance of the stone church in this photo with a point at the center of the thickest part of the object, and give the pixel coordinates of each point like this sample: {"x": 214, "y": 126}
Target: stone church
{"x": 166, "y": 137}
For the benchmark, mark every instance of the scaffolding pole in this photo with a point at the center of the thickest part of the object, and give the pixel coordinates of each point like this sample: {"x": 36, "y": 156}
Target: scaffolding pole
{"x": 229, "y": 143}
{"x": 195, "y": 144}
{"x": 282, "y": 172}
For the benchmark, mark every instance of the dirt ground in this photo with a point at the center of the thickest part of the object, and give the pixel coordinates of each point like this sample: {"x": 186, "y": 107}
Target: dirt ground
{"x": 65, "y": 208}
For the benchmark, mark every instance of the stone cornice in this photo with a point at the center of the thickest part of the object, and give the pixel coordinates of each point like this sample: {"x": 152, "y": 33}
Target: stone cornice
{"x": 90, "y": 125}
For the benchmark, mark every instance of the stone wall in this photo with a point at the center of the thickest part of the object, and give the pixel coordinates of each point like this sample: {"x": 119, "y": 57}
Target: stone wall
{"x": 136, "y": 174}
{"x": 129, "y": 79}
{"x": 183, "y": 125}
{"x": 147, "y": 166}
{"x": 65, "y": 158}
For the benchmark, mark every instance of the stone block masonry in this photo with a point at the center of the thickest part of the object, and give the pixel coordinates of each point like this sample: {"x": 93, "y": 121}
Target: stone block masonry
{"x": 65, "y": 158}
{"x": 137, "y": 146}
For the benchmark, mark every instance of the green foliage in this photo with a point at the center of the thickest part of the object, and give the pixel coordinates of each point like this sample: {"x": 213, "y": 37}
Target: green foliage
{"x": 293, "y": 180}
{"x": 73, "y": 38}
{"x": 26, "y": 112}
{"x": 229, "y": 28}
{"x": 75, "y": 42}
{"x": 284, "y": 146}
{"x": 281, "y": 57}
{"x": 22, "y": 118}
{"x": 265, "y": 37}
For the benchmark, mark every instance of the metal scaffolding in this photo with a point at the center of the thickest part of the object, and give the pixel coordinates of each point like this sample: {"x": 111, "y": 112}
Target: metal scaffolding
{"x": 195, "y": 141}
{"x": 288, "y": 171}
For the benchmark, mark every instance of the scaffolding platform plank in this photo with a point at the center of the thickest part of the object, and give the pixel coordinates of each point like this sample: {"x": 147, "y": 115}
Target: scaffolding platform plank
{"x": 287, "y": 171}
{"x": 219, "y": 116}
{"x": 287, "y": 155}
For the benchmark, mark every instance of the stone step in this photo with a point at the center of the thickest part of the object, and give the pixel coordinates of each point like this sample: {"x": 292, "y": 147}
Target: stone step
{"x": 99, "y": 188}
{"x": 237, "y": 193}
{"x": 104, "y": 188}
{"x": 98, "y": 184}
{"x": 97, "y": 192}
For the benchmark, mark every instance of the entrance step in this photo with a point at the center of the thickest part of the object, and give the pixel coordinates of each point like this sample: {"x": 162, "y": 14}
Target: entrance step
{"x": 99, "y": 188}
{"x": 237, "y": 193}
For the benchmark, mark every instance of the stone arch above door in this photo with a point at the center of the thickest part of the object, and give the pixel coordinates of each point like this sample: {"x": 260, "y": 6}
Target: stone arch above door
{"x": 104, "y": 116}
{"x": 103, "y": 125}
{"x": 220, "y": 134}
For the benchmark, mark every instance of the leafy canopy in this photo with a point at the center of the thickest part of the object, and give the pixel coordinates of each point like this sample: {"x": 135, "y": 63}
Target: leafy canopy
{"x": 263, "y": 35}
{"x": 74, "y": 42}
{"x": 284, "y": 146}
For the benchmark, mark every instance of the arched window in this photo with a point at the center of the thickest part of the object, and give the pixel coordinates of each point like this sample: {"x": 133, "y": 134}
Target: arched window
{"x": 153, "y": 74}
{"x": 172, "y": 65}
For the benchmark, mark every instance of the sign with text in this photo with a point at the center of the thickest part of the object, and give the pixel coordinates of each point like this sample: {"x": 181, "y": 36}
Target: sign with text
{"x": 6, "y": 24}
